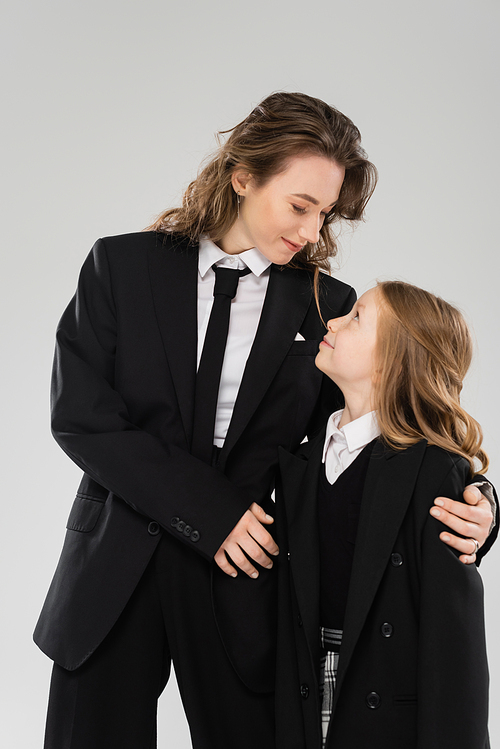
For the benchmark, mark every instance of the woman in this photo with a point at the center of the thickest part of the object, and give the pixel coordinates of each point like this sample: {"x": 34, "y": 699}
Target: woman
{"x": 136, "y": 586}
{"x": 399, "y": 619}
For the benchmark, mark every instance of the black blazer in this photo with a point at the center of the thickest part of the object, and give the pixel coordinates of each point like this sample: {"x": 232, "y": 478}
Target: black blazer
{"x": 412, "y": 670}
{"x": 122, "y": 396}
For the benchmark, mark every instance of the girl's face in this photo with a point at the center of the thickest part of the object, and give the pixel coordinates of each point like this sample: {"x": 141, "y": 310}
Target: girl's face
{"x": 347, "y": 352}
{"x": 280, "y": 217}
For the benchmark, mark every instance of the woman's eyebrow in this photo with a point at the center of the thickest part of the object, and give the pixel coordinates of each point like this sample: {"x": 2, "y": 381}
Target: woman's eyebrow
{"x": 309, "y": 198}
{"x": 305, "y": 196}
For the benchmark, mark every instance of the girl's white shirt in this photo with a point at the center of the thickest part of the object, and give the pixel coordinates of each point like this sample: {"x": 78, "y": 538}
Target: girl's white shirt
{"x": 342, "y": 446}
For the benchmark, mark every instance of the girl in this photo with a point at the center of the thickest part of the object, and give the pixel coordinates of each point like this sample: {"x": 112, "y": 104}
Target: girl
{"x": 398, "y": 618}
{"x": 168, "y": 555}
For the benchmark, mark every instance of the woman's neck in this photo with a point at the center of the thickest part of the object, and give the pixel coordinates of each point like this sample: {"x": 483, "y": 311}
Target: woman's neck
{"x": 234, "y": 241}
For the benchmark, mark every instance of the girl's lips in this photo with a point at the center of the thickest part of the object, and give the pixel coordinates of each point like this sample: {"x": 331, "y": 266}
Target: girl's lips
{"x": 291, "y": 245}
{"x": 325, "y": 343}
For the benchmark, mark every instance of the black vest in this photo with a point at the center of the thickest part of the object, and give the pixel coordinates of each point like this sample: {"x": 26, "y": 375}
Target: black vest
{"x": 339, "y": 505}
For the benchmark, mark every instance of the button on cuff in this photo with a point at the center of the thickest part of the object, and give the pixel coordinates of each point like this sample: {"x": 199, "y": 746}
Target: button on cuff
{"x": 387, "y": 629}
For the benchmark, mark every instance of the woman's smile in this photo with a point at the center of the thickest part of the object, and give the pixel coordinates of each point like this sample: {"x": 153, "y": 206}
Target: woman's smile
{"x": 293, "y": 246}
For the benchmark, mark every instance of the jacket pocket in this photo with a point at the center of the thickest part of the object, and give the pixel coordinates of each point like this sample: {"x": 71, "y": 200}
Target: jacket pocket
{"x": 85, "y": 513}
{"x": 304, "y": 348}
{"x": 405, "y": 700}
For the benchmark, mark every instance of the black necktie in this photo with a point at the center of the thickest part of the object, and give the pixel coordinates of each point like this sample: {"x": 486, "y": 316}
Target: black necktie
{"x": 212, "y": 357}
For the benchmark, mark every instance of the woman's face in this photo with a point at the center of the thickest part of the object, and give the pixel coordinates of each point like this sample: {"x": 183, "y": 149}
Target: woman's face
{"x": 347, "y": 352}
{"x": 280, "y": 217}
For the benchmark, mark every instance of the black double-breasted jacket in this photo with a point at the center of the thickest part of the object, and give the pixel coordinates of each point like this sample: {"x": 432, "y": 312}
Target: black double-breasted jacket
{"x": 412, "y": 669}
{"x": 122, "y": 397}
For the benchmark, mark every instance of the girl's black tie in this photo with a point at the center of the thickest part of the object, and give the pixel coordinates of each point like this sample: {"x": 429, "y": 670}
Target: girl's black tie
{"x": 212, "y": 357}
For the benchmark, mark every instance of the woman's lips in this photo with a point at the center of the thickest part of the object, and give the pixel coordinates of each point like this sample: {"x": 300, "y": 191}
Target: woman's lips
{"x": 292, "y": 245}
{"x": 325, "y": 343}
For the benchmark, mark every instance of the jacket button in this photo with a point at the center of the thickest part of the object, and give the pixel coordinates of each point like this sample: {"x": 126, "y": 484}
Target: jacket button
{"x": 174, "y": 521}
{"x": 299, "y": 620}
{"x": 188, "y": 530}
{"x": 304, "y": 691}
{"x": 387, "y": 629}
{"x": 181, "y": 525}
{"x": 153, "y": 529}
{"x": 396, "y": 559}
{"x": 373, "y": 700}
{"x": 195, "y": 536}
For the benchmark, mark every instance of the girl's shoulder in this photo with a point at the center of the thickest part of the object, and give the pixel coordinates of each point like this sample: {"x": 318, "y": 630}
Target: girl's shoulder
{"x": 446, "y": 459}
{"x": 443, "y": 472}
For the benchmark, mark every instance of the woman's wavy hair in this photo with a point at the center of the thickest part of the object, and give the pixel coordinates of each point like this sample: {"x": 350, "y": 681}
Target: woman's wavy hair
{"x": 282, "y": 126}
{"x": 424, "y": 349}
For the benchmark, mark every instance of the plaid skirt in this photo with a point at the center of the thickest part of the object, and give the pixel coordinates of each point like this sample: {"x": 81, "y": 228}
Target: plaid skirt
{"x": 331, "y": 640}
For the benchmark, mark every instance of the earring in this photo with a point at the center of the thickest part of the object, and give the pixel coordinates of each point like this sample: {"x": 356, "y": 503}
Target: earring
{"x": 238, "y": 204}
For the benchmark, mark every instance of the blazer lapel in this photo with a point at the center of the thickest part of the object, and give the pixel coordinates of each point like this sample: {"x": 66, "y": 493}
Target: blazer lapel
{"x": 287, "y": 300}
{"x": 173, "y": 272}
{"x": 388, "y": 489}
{"x": 299, "y": 477}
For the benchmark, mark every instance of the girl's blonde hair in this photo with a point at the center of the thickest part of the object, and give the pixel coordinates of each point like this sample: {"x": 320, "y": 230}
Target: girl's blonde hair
{"x": 424, "y": 349}
{"x": 282, "y": 126}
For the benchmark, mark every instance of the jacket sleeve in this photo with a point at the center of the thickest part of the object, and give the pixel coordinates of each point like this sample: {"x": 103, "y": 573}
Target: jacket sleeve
{"x": 452, "y": 664}
{"x": 488, "y": 490}
{"x": 92, "y": 424}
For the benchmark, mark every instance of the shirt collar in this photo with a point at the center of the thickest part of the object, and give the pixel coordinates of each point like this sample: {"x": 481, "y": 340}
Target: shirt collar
{"x": 355, "y": 435}
{"x": 209, "y": 254}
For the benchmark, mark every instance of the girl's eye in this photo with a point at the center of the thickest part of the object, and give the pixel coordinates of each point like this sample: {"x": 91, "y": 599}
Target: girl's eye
{"x": 298, "y": 209}
{"x": 356, "y": 316}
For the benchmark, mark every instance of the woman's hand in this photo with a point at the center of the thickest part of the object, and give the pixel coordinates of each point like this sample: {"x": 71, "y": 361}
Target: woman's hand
{"x": 250, "y": 539}
{"x": 472, "y": 520}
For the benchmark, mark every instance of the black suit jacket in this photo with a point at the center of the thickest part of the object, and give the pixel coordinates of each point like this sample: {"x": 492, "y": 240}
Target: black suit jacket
{"x": 123, "y": 386}
{"x": 421, "y": 682}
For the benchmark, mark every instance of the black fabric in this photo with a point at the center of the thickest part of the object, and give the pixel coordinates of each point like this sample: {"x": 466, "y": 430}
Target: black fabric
{"x": 110, "y": 701}
{"x": 212, "y": 359}
{"x": 122, "y": 409}
{"x": 412, "y": 607}
{"x": 339, "y": 505}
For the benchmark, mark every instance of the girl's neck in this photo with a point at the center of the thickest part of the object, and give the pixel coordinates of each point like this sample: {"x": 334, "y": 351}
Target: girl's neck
{"x": 355, "y": 408}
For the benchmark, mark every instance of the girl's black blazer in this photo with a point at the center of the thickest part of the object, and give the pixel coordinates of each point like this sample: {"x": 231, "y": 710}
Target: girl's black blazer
{"x": 413, "y": 670}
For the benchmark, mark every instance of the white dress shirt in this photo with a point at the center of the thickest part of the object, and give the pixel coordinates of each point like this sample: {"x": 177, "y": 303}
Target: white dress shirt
{"x": 342, "y": 446}
{"x": 246, "y": 309}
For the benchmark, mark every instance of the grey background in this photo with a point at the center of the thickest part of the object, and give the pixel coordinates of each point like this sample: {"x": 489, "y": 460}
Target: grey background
{"x": 108, "y": 109}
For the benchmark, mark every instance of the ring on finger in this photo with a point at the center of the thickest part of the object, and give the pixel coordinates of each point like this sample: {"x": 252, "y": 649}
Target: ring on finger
{"x": 476, "y": 545}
